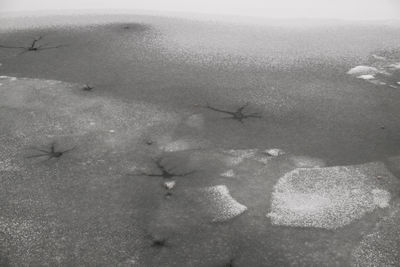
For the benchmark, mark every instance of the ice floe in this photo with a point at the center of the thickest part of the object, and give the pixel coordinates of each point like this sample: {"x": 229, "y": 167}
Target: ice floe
{"x": 217, "y": 203}
{"x": 382, "y": 246}
{"x": 329, "y": 197}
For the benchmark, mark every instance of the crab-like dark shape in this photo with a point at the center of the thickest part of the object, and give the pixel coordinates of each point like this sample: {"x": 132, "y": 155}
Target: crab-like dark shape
{"x": 163, "y": 172}
{"x": 33, "y": 47}
{"x": 237, "y": 115}
{"x": 50, "y": 154}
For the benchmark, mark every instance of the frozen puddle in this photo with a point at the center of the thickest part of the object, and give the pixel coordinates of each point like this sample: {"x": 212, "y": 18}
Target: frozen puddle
{"x": 218, "y": 203}
{"x": 382, "y": 247}
{"x": 330, "y": 197}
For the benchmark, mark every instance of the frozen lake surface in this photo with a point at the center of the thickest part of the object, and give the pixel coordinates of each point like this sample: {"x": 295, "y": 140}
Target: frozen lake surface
{"x": 150, "y": 141}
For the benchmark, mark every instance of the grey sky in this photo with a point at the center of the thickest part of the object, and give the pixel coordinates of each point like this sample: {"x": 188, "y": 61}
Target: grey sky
{"x": 341, "y": 9}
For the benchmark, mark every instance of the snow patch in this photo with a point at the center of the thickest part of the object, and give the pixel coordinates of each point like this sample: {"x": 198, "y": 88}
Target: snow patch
{"x": 381, "y": 247}
{"x": 328, "y": 197}
{"x": 366, "y": 77}
{"x": 218, "y": 203}
{"x": 362, "y": 70}
{"x": 169, "y": 185}
{"x": 274, "y": 152}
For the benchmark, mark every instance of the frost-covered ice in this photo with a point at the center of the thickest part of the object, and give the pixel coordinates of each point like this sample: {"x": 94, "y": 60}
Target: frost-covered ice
{"x": 381, "y": 247}
{"x": 218, "y": 203}
{"x": 329, "y": 197}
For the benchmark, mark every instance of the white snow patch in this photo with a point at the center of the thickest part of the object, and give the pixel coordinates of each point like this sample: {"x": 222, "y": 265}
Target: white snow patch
{"x": 169, "y": 184}
{"x": 219, "y": 204}
{"x": 366, "y": 77}
{"x": 328, "y": 197}
{"x": 362, "y": 70}
{"x": 274, "y": 152}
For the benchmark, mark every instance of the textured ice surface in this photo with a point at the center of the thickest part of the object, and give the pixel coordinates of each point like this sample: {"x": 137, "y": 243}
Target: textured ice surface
{"x": 382, "y": 247}
{"x": 195, "y": 121}
{"x": 329, "y": 197}
{"x": 217, "y": 203}
{"x": 47, "y": 112}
